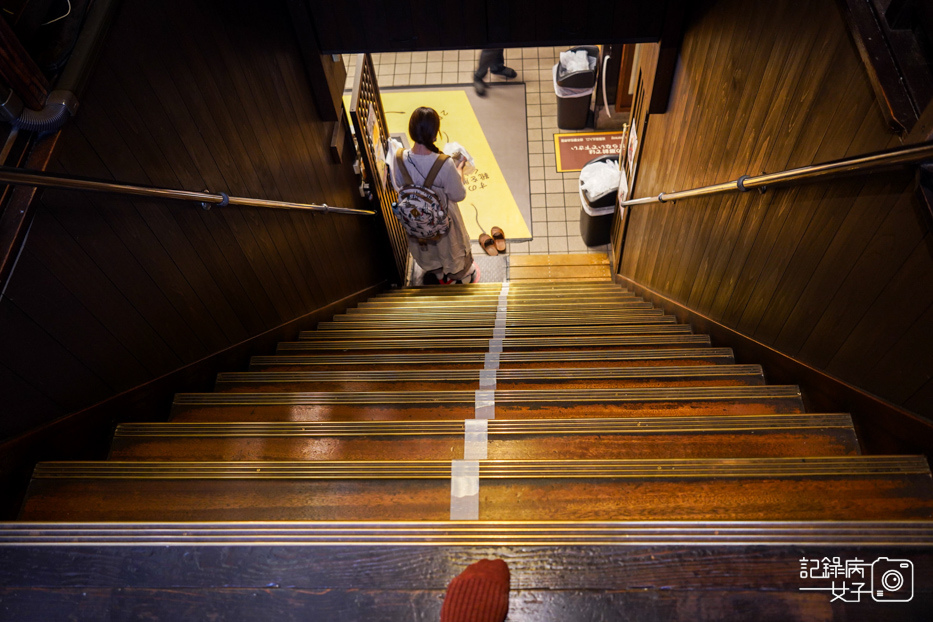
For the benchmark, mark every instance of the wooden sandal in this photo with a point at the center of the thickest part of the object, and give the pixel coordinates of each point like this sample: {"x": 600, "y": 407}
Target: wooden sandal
{"x": 488, "y": 244}
{"x": 499, "y": 236}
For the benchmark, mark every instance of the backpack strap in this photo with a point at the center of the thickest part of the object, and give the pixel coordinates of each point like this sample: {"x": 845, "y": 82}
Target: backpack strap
{"x": 400, "y": 165}
{"x": 438, "y": 163}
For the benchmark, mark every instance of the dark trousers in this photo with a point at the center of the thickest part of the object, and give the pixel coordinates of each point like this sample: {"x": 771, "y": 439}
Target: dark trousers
{"x": 489, "y": 60}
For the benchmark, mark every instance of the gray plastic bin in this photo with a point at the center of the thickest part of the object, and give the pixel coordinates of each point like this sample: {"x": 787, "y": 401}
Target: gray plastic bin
{"x": 596, "y": 213}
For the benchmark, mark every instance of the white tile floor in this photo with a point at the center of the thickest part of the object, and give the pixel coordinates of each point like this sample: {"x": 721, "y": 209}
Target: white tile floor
{"x": 555, "y": 202}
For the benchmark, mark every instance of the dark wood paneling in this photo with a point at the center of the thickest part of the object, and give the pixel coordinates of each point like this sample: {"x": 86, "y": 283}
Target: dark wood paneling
{"x": 640, "y": 583}
{"x": 298, "y": 605}
{"x": 85, "y": 434}
{"x": 833, "y": 273}
{"x": 112, "y": 292}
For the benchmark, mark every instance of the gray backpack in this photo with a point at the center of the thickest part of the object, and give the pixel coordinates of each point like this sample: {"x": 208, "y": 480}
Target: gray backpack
{"x": 422, "y": 212}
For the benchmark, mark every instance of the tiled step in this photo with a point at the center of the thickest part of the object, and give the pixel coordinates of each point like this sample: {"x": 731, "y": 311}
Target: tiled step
{"x": 509, "y": 404}
{"x": 506, "y": 360}
{"x": 488, "y": 332}
{"x": 548, "y": 439}
{"x": 811, "y": 488}
{"x": 553, "y": 344}
{"x": 471, "y": 379}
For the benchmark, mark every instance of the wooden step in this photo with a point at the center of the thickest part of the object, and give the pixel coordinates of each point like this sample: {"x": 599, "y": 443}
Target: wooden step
{"x": 643, "y": 316}
{"x": 516, "y": 301}
{"x": 471, "y": 379}
{"x": 569, "y": 259}
{"x": 512, "y": 298}
{"x": 552, "y": 344}
{"x": 566, "y": 315}
{"x": 535, "y": 439}
{"x": 471, "y": 289}
{"x": 509, "y": 404}
{"x": 560, "y": 273}
{"x": 810, "y": 488}
{"x": 488, "y": 332}
{"x": 697, "y": 571}
{"x": 491, "y": 305}
{"x": 506, "y": 360}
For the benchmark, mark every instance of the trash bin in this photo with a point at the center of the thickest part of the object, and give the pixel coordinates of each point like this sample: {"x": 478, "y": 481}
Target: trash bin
{"x": 574, "y": 89}
{"x": 597, "y": 211}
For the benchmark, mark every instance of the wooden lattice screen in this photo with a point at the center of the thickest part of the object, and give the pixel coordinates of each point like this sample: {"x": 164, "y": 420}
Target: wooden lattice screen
{"x": 372, "y": 134}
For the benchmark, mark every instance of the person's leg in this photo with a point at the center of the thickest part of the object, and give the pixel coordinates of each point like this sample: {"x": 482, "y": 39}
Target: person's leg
{"x": 498, "y": 65}
{"x": 470, "y": 274}
{"x": 478, "y": 594}
{"x": 487, "y": 59}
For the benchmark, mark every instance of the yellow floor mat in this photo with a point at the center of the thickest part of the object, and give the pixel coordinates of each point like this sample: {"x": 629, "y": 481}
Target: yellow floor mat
{"x": 487, "y": 188}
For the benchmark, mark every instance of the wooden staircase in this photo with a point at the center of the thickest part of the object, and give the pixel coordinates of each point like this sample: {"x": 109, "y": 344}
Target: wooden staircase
{"x": 624, "y": 467}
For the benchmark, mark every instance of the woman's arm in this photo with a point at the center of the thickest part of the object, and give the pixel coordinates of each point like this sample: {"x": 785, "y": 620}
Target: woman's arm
{"x": 453, "y": 185}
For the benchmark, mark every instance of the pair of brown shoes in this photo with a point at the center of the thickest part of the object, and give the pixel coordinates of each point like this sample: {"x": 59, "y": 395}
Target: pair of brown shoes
{"x": 495, "y": 244}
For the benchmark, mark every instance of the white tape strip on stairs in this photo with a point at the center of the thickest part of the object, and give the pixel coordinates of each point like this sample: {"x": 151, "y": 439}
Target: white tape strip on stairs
{"x": 464, "y": 490}
{"x": 475, "y": 439}
{"x": 464, "y": 474}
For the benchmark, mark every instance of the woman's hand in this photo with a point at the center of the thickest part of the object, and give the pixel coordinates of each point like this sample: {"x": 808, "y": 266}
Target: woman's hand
{"x": 461, "y": 164}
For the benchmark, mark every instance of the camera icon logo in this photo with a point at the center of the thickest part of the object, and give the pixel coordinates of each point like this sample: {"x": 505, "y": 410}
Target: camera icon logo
{"x": 892, "y": 580}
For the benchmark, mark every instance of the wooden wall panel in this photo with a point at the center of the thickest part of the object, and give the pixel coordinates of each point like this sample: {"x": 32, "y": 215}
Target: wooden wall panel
{"x": 110, "y": 292}
{"x": 835, "y": 274}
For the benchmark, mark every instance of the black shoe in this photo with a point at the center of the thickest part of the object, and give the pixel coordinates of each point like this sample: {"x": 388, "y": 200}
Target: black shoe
{"x": 480, "y": 87}
{"x": 505, "y": 72}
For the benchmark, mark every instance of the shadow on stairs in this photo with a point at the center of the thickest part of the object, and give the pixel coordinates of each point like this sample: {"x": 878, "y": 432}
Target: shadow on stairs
{"x": 623, "y": 467}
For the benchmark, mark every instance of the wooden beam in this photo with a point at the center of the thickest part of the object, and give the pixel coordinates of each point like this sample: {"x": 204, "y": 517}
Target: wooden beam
{"x": 668, "y": 52}
{"x": 326, "y": 73}
{"x": 16, "y": 216}
{"x": 19, "y": 70}
{"x": 880, "y": 65}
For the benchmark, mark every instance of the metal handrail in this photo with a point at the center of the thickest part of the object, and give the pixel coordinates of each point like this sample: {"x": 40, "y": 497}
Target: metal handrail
{"x": 24, "y": 177}
{"x": 900, "y": 155}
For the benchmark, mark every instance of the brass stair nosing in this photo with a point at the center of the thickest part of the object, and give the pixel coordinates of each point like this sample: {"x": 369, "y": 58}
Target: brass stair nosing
{"x": 917, "y": 534}
{"x": 505, "y": 357}
{"x": 502, "y": 375}
{"x": 625, "y": 308}
{"x": 483, "y": 344}
{"x": 484, "y": 322}
{"x": 496, "y": 427}
{"x": 661, "y": 468}
{"x": 509, "y": 396}
{"x": 488, "y": 332}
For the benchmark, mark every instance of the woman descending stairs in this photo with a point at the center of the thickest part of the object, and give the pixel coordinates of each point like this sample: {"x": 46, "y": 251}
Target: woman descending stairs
{"x": 615, "y": 459}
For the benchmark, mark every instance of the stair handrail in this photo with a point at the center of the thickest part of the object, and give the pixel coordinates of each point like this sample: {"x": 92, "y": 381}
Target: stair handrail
{"x": 207, "y": 199}
{"x": 846, "y": 166}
